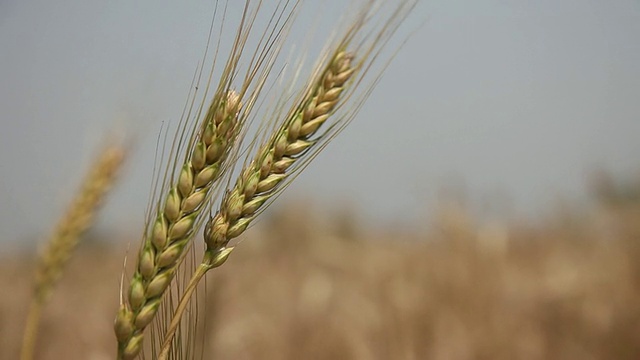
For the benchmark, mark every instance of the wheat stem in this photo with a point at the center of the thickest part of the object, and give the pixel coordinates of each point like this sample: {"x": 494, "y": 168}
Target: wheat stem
{"x": 210, "y": 261}
{"x": 31, "y": 330}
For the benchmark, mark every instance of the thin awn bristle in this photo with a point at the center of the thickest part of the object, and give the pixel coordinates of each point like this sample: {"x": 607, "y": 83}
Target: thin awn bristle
{"x": 76, "y": 221}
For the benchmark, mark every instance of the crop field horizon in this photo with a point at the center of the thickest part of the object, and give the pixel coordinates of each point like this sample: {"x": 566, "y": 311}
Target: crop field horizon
{"x": 312, "y": 285}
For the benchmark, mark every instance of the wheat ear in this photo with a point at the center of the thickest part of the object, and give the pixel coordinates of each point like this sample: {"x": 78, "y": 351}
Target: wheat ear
{"x": 164, "y": 243}
{"x": 207, "y": 158}
{"x": 78, "y": 218}
{"x": 298, "y": 140}
{"x": 260, "y": 180}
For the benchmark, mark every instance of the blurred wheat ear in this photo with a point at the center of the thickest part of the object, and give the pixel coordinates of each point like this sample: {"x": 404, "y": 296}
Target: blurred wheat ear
{"x": 299, "y": 135}
{"x": 79, "y": 217}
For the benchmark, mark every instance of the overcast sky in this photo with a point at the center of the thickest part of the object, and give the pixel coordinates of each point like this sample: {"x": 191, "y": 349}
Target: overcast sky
{"x": 513, "y": 98}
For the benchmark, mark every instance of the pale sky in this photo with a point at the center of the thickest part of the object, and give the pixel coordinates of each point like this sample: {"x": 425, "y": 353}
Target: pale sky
{"x": 517, "y": 98}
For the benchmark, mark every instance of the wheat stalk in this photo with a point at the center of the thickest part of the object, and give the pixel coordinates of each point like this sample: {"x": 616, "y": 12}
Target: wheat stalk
{"x": 78, "y": 218}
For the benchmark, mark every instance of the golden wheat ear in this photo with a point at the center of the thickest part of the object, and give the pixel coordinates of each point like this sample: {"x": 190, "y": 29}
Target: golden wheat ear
{"x": 209, "y": 149}
{"x": 169, "y": 234}
{"x": 332, "y": 97}
{"x": 63, "y": 241}
{"x": 269, "y": 170}
{"x": 296, "y": 141}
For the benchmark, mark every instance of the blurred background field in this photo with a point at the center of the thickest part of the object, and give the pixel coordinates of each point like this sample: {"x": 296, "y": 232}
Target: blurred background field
{"x": 362, "y": 258}
{"x": 307, "y": 284}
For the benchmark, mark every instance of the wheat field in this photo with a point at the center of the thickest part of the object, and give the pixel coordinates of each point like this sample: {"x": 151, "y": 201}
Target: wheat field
{"x": 301, "y": 283}
{"x": 311, "y": 286}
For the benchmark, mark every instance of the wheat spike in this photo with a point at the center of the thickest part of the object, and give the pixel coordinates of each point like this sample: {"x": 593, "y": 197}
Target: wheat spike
{"x": 298, "y": 139}
{"x": 209, "y": 153}
{"x": 261, "y": 179}
{"x": 78, "y": 218}
{"x": 165, "y": 242}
